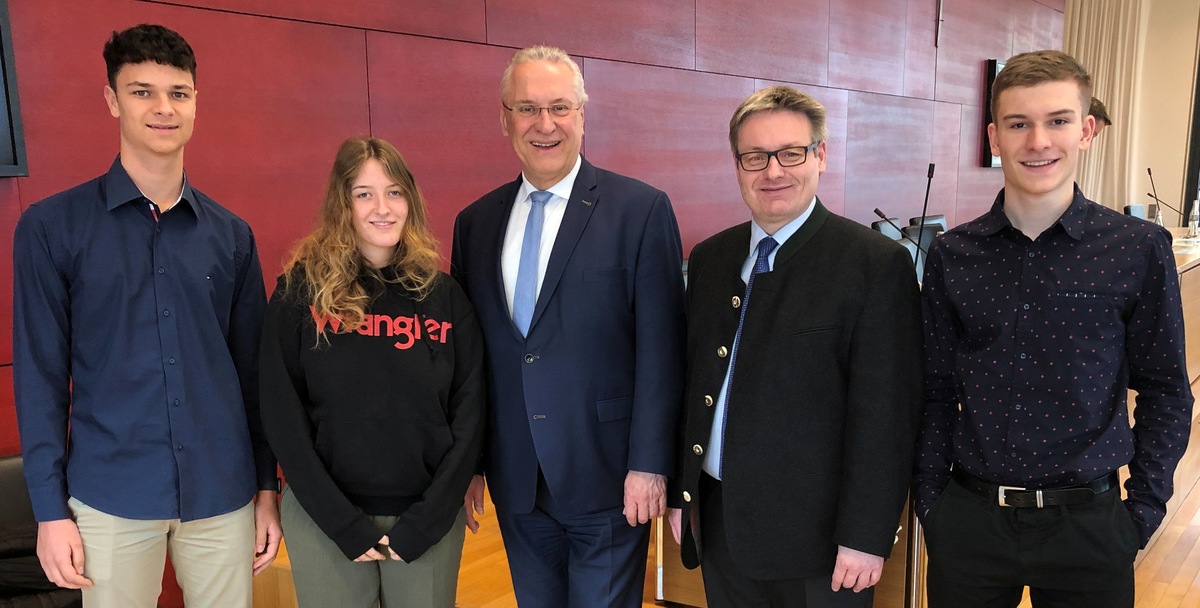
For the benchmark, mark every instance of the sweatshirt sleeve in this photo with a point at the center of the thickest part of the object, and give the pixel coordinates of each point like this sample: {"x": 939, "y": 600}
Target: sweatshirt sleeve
{"x": 290, "y": 433}
{"x": 429, "y": 519}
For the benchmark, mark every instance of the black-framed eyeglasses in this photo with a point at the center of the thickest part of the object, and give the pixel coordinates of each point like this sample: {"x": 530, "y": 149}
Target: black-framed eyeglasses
{"x": 757, "y": 160}
{"x": 528, "y": 110}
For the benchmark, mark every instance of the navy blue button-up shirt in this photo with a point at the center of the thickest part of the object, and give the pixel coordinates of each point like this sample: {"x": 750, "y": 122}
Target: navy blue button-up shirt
{"x": 1038, "y": 341}
{"x": 138, "y": 331}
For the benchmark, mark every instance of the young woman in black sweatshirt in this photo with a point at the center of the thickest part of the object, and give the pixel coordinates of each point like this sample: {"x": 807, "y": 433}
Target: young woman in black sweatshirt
{"x": 372, "y": 389}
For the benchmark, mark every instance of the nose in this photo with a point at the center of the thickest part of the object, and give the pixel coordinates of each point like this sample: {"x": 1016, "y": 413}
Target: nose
{"x": 1038, "y": 138}
{"x": 773, "y": 168}
{"x": 544, "y": 120}
{"x": 163, "y": 104}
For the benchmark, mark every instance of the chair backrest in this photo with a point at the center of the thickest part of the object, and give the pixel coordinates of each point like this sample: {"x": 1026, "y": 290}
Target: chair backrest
{"x": 887, "y": 229}
{"x": 938, "y": 219}
{"x": 918, "y": 260}
{"x": 1136, "y": 210}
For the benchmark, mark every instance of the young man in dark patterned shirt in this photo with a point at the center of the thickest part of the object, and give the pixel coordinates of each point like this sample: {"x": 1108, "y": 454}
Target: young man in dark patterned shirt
{"x": 1039, "y": 316}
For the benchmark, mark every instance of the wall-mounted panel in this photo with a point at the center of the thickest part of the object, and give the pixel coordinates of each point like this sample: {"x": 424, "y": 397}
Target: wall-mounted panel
{"x": 10, "y": 442}
{"x": 1036, "y": 27}
{"x": 867, "y": 45}
{"x": 662, "y": 32}
{"x": 454, "y": 19}
{"x": 438, "y": 102}
{"x": 639, "y": 124}
{"x": 891, "y": 175}
{"x": 977, "y": 186}
{"x": 10, "y": 210}
{"x": 973, "y": 31}
{"x": 943, "y": 192}
{"x": 758, "y": 39}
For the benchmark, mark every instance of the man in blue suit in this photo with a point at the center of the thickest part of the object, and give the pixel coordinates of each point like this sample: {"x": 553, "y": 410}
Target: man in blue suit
{"x": 575, "y": 275}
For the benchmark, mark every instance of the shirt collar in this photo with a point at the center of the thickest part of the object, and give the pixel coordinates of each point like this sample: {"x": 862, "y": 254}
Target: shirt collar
{"x": 1072, "y": 220}
{"x": 785, "y": 232}
{"x": 119, "y": 189}
{"x": 561, "y": 190}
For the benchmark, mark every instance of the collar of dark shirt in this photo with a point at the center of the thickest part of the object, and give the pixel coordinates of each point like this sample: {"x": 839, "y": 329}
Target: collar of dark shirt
{"x": 119, "y": 189}
{"x": 1072, "y": 220}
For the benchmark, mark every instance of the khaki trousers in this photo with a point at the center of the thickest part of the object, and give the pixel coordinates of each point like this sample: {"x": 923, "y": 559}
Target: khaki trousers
{"x": 125, "y": 558}
{"x": 324, "y": 577}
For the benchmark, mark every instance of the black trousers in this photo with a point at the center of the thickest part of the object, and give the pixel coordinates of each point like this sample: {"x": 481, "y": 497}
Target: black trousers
{"x": 982, "y": 555}
{"x": 727, "y": 585}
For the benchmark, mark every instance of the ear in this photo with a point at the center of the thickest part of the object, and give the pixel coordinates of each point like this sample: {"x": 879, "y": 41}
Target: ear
{"x": 1089, "y": 132}
{"x": 995, "y": 146}
{"x": 504, "y": 116}
{"x": 820, "y": 152}
{"x": 110, "y": 97}
{"x": 581, "y": 122}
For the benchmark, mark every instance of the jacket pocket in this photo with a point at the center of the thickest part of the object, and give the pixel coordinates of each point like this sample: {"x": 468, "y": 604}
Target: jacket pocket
{"x": 610, "y": 410}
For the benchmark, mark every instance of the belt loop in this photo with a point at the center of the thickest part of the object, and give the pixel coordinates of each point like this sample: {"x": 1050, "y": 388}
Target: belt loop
{"x": 1039, "y": 499}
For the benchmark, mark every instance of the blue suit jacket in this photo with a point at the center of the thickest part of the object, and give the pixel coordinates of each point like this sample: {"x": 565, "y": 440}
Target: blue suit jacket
{"x": 594, "y": 390}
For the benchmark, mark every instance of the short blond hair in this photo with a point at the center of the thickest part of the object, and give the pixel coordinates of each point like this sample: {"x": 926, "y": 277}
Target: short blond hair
{"x": 775, "y": 99}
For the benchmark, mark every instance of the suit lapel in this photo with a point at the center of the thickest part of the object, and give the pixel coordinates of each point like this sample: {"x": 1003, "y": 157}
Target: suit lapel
{"x": 804, "y": 234}
{"x": 501, "y": 215}
{"x": 584, "y": 199}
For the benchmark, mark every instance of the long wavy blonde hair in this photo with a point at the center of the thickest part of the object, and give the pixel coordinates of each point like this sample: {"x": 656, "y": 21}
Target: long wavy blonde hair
{"x": 329, "y": 256}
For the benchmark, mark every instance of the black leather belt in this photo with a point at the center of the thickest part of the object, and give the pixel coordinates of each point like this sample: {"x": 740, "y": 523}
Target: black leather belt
{"x": 1016, "y": 496}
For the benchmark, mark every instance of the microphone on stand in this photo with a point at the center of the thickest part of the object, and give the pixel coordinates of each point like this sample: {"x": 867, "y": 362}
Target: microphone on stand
{"x": 1163, "y": 203}
{"x": 1154, "y": 195}
{"x": 885, "y": 218}
{"x": 924, "y": 209}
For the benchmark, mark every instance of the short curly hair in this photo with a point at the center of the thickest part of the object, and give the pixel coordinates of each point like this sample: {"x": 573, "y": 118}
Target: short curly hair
{"x": 147, "y": 42}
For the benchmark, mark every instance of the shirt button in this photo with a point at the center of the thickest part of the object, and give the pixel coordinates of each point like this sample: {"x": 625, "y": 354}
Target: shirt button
{"x": 1026, "y": 307}
{"x": 737, "y": 302}
{"x": 722, "y": 352}
{"x": 697, "y": 449}
{"x": 166, "y": 313}
{"x": 708, "y": 400}
{"x": 176, "y": 402}
{"x": 1014, "y": 454}
{"x": 1017, "y": 406}
{"x": 171, "y": 360}
{"x": 687, "y": 497}
{"x": 1032, "y": 254}
{"x": 161, "y": 270}
{"x": 1022, "y": 355}
{"x": 529, "y": 358}
{"x": 179, "y": 447}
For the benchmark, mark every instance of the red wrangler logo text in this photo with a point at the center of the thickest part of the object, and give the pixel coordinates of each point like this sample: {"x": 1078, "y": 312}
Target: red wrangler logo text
{"x": 407, "y": 329}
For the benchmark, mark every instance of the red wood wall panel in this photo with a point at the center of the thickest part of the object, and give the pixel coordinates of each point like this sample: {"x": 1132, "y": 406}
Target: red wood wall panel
{"x": 973, "y": 31}
{"x": 446, "y": 122}
{"x": 867, "y": 41}
{"x": 637, "y": 124}
{"x": 1036, "y": 27}
{"x": 10, "y": 443}
{"x": 758, "y": 39}
{"x": 943, "y": 192}
{"x": 662, "y": 32}
{"x": 977, "y": 186}
{"x": 10, "y": 210}
{"x": 456, "y": 19}
{"x": 920, "y": 52}
{"x": 891, "y": 177}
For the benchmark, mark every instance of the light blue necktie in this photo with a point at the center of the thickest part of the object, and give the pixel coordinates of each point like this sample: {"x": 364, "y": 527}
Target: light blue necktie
{"x": 761, "y": 264}
{"x": 525, "y": 292}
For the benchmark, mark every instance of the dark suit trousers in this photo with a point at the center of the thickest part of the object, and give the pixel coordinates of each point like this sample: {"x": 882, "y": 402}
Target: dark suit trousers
{"x": 982, "y": 555}
{"x": 595, "y": 560}
{"x": 726, "y": 585}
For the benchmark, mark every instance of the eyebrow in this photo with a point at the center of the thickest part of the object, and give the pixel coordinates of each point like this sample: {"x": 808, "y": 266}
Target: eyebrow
{"x": 391, "y": 185}
{"x": 146, "y": 85}
{"x": 553, "y": 101}
{"x": 1054, "y": 114}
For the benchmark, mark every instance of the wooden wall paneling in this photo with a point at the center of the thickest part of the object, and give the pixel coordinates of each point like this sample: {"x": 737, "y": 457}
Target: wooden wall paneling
{"x": 920, "y": 53}
{"x": 977, "y": 186}
{"x": 10, "y": 442}
{"x": 662, "y": 32}
{"x": 887, "y": 157}
{"x": 438, "y": 102}
{"x": 867, "y": 41}
{"x": 759, "y": 39}
{"x": 973, "y": 31}
{"x": 669, "y": 128}
{"x": 1036, "y": 27}
{"x": 943, "y": 193}
{"x": 269, "y": 122}
{"x": 453, "y": 19}
{"x": 1058, "y": 5}
{"x": 10, "y": 210}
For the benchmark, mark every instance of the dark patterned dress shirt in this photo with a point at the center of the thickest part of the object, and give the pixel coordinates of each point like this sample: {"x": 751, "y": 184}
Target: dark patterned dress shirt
{"x": 1031, "y": 346}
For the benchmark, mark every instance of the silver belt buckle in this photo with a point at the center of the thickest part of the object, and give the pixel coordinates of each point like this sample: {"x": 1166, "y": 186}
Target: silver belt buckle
{"x": 1004, "y": 489}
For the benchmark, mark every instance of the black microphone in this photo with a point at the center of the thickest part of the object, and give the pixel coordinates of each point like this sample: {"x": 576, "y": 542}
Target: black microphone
{"x": 1163, "y": 203}
{"x": 925, "y": 208}
{"x": 885, "y": 218}
{"x": 1155, "y": 195}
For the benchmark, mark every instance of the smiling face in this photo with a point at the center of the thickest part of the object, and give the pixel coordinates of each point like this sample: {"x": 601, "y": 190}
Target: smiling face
{"x": 777, "y": 195}
{"x": 380, "y": 209}
{"x": 546, "y": 144}
{"x": 1038, "y": 134}
{"x": 156, "y": 106}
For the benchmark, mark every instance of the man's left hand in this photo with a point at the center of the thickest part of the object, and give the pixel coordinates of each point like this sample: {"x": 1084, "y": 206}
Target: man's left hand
{"x": 645, "y": 497}
{"x": 855, "y": 570}
{"x": 267, "y": 531}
